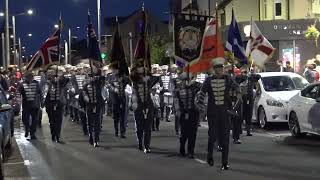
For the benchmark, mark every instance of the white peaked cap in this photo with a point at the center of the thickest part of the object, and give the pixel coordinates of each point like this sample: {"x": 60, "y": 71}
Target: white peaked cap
{"x": 219, "y": 61}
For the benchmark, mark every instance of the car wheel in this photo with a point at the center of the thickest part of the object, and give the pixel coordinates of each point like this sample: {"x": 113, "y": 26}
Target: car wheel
{"x": 262, "y": 118}
{"x": 294, "y": 126}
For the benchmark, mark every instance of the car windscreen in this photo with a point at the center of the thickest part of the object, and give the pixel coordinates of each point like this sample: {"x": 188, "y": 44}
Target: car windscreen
{"x": 278, "y": 83}
{"x": 300, "y": 82}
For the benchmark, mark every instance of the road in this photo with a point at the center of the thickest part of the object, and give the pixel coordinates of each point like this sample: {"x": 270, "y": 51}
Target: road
{"x": 271, "y": 154}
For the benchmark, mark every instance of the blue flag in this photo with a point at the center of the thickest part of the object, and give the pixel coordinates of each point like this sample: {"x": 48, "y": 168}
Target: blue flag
{"x": 93, "y": 46}
{"x": 235, "y": 43}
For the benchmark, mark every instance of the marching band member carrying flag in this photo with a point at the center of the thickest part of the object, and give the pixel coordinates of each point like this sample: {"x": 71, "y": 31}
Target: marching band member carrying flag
{"x": 142, "y": 83}
{"x": 259, "y": 49}
{"x": 118, "y": 82}
{"x": 92, "y": 89}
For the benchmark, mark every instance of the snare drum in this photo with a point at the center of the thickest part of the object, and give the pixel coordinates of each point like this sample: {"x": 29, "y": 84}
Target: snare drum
{"x": 168, "y": 99}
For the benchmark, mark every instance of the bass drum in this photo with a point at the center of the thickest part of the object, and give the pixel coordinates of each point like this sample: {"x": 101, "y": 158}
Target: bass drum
{"x": 168, "y": 99}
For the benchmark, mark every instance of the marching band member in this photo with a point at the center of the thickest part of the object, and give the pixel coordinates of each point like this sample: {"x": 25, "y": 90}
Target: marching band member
{"x": 94, "y": 101}
{"x": 55, "y": 100}
{"x": 218, "y": 87}
{"x": 31, "y": 99}
{"x": 118, "y": 83}
{"x": 188, "y": 112}
{"x": 142, "y": 104}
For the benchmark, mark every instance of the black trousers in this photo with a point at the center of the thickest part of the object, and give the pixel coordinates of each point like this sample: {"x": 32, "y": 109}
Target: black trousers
{"x": 119, "y": 112}
{"x": 94, "y": 122}
{"x": 40, "y": 117}
{"x": 84, "y": 121}
{"x": 189, "y": 128}
{"x": 236, "y": 128}
{"x": 156, "y": 119}
{"x": 247, "y": 113}
{"x": 143, "y": 126}
{"x": 55, "y": 116}
{"x": 219, "y": 129}
{"x": 34, "y": 115}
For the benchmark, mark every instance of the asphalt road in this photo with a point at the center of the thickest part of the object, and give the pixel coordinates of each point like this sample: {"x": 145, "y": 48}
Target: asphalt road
{"x": 271, "y": 154}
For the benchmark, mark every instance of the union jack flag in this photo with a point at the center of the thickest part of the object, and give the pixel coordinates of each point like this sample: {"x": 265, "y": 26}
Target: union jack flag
{"x": 47, "y": 54}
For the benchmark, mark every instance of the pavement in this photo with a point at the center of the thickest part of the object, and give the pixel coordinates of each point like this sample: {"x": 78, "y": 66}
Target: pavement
{"x": 271, "y": 154}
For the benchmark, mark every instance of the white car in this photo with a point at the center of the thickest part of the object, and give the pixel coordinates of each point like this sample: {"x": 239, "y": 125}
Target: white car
{"x": 273, "y": 92}
{"x": 304, "y": 111}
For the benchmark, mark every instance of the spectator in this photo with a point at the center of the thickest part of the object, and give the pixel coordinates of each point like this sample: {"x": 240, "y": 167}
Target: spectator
{"x": 311, "y": 74}
{"x": 288, "y": 67}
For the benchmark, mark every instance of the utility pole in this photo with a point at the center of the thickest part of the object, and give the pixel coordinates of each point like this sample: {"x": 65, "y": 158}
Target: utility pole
{"x": 3, "y": 50}
{"x": 20, "y": 54}
{"x": 7, "y": 50}
{"x": 130, "y": 44}
{"x": 69, "y": 54}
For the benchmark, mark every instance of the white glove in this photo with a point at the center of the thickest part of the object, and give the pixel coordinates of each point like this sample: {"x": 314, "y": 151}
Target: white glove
{"x": 72, "y": 90}
{"x": 86, "y": 99}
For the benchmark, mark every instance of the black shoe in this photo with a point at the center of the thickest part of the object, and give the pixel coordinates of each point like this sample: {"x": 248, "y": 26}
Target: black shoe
{"x": 191, "y": 156}
{"x": 58, "y": 140}
{"x": 116, "y": 134}
{"x": 177, "y": 133}
{"x": 26, "y": 134}
{"x": 85, "y": 134}
{"x": 53, "y": 138}
{"x": 219, "y": 149}
{"x": 225, "y": 167}
{"x": 153, "y": 129}
{"x": 182, "y": 152}
{"x": 39, "y": 125}
{"x": 123, "y": 136}
{"x": 157, "y": 129}
{"x": 140, "y": 147}
{"x": 249, "y": 134}
{"x": 33, "y": 137}
{"x": 237, "y": 141}
{"x": 210, "y": 161}
{"x": 147, "y": 151}
{"x": 91, "y": 140}
{"x": 167, "y": 120}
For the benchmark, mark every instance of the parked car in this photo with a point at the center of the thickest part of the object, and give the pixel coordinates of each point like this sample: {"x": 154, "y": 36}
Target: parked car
{"x": 6, "y": 127}
{"x": 273, "y": 92}
{"x": 304, "y": 111}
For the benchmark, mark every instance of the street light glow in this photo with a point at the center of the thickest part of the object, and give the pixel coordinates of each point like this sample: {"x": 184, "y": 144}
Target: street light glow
{"x": 23, "y": 47}
{"x": 1, "y": 14}
{"x": 11, "y": 36}
{"x": 56, "y": 26}
{"x": 78, "y": 27}
{"x": 29, "y": 35}
{"x": 30, "y": 11}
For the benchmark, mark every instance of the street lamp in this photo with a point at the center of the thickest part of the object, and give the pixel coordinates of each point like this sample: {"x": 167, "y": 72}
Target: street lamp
{"x": 1, "y": 14}
{"x": 29, "y": 35}
{"x": 56, "y": 26}
{"x": 30, "y": 12}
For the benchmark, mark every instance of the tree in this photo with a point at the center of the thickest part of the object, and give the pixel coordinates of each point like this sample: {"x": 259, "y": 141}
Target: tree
{"x": 158, "y": 50}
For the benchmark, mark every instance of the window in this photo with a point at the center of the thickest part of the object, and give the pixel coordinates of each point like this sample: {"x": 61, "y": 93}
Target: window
{"x": 278, "y": 83}
{"x": 278, "y": 8}
{"x": 300, "y": 82}
{"x": 312, "y": 92}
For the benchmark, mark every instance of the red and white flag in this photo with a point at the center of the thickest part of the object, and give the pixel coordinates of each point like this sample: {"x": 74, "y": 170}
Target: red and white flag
{"x": 259, "y": 49}
{"x": 211, "y": 48}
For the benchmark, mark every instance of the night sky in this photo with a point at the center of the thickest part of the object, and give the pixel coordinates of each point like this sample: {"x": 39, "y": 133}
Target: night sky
{"x": 74, "y": 13}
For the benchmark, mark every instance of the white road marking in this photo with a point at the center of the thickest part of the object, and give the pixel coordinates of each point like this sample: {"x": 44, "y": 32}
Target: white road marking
{"x": 15, "y": 163}
{"x": 200, "y": 161}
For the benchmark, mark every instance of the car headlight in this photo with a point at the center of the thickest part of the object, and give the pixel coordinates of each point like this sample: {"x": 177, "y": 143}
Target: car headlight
{"x": 274, "y": 103}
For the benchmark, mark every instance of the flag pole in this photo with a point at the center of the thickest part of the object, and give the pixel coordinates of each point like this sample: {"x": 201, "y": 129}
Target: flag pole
{"x": 145, "y": 84}
{"x": 59, "y": 37}
{"x": 251, "y": 60}
{"x": 90, "y": 60}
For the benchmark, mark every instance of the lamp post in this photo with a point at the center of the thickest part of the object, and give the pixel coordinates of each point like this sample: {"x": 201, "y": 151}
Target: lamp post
{"x": 7, "y": 50}
{"x": 99, "y": 22}
{"x": 29, "y": 12}
{"x": 69, "y": 47}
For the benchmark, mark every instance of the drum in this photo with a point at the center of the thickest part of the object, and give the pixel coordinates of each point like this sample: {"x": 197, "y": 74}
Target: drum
{"x": 168, "y": 99}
